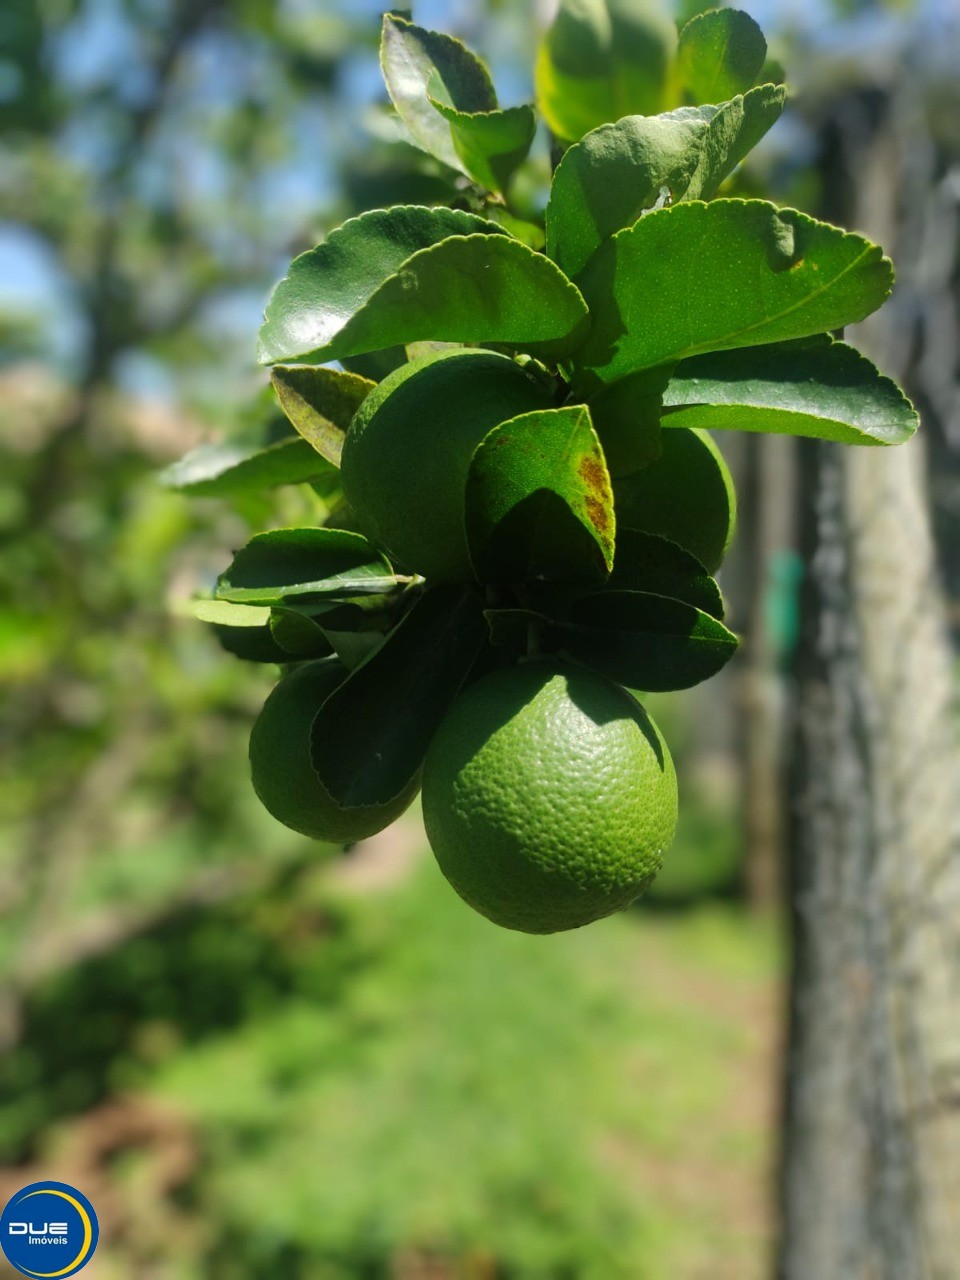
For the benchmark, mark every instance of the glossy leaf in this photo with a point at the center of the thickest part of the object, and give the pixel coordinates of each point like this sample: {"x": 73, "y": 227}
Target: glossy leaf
{"x": 620, "y": 171}
{"x": 721, "y": 53}
{"x": 823, "y": 389}
{"x": 286, "y": 563}
{"x": 646, "y": 562}
{"x": 220, "y": 470}
{"x": 603, "y": 59}
{"x": 490, "y": 144}
{"x": 642, "y": 640}
{"x": 444, "y": 96}
{"x": 411, "y": 57}
{"x": 412, "y": 274}
{"x": 326, "y": 288}
{"x": 711, "y": 277}
{"x": 320, "y": 404}
{"x": 646, "y": 641}
{"x": 539, "y": 503}
{"x": 371, "y": 735}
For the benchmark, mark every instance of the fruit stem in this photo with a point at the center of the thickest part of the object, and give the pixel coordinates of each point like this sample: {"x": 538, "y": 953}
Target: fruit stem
{"x": 533, "y": 640}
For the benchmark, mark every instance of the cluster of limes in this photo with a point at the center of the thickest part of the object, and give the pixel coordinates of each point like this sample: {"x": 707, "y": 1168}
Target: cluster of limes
{"x": 549, "y": 795}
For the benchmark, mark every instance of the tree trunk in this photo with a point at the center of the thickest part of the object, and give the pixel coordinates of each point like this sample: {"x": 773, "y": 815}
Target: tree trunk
{"x": 871, "y": 1171}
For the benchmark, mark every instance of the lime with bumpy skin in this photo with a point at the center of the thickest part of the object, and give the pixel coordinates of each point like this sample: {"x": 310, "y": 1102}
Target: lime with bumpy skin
{"x": 686, "y": 495}
{"x": 549, "y": 797}
{"x": 408, "y": 450}
{"x": 282, "y": 771}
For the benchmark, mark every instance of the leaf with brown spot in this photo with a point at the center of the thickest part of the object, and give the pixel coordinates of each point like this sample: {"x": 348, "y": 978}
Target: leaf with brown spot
{"x": 539, "y": 503}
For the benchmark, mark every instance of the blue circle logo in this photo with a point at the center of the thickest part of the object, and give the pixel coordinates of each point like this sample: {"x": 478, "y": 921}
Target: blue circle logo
{"x": 49, "y": 1229}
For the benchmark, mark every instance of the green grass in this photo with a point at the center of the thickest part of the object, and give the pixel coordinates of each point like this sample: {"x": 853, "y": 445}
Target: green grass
{"x": 565, "y": 1107}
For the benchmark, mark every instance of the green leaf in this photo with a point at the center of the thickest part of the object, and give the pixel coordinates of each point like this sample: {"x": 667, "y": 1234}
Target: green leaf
{"x": 512, "y": 628}
{"x": 444, "y": 96}
{"x": 320, "y": 404}
{"x": 649, "y": 563}
{"x": 646, "y": 641}
{"x": 410, "y": 58}
{"x": 644, "y": 562}
{"x": 286, "y": 563}
{"x": 327, "y": 288}
{"x": 490, "y": 144}
{"x": 298, "y": 634}
{"x": 357, "y": 629}
{"x": 242, "y": 630}
{"x": 640, "y": 639}
{"x": 372, "y": 733}
{"x": 360, "y": 613}
{"x": 823, "y": 389}
{"x": 613, "y": 175}
{"x": 710, "y": 277}
{"x": 539, "y": 503}
{"x": 411, "y": 274}
{"x": 219, "y": 470}
{"x": 601, "y": 60}
{"x": 352, "y": 628}
{"x": 222, "y": 613}
{"x": 353, "y": 647}
{"x": 620, "y": 171}
{"x": 734, "y": 129}
{"x": 720, "y": 53}
{"x": 251, "y": 644}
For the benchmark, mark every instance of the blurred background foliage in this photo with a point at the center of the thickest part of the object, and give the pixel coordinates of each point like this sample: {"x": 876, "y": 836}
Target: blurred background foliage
{"x": 256, "y": 1055}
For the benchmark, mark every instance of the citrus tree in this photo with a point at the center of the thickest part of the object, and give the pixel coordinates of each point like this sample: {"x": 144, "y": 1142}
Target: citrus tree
{"x": 504, "y": 416}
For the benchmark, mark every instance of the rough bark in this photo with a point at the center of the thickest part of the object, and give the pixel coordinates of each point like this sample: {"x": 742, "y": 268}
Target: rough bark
{"x": 871, "y": 1174}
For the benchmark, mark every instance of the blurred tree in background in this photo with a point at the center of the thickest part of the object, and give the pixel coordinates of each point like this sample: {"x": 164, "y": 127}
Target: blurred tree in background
{"x": 872, "y": 1148}
{"x": 159, "y": 158}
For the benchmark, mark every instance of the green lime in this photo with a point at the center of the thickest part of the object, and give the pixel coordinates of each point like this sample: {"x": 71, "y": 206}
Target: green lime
{"x": 686, "y": 495}
{"x": 549, "y": 797}
{"x": 406, "y": 456}
{"x": 282, "y": 772}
